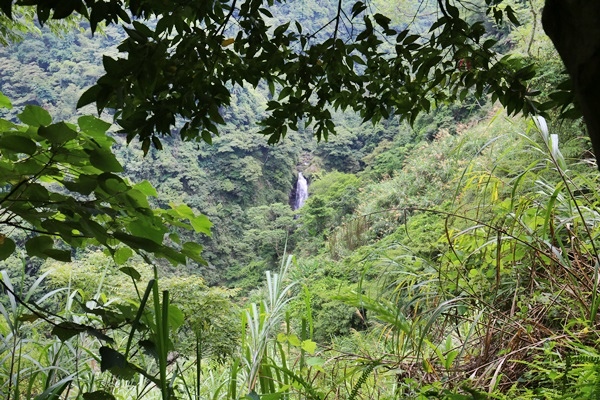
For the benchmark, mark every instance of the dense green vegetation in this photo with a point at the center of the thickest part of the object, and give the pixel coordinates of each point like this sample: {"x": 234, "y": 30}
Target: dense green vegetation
{"x": 452, "y": 258}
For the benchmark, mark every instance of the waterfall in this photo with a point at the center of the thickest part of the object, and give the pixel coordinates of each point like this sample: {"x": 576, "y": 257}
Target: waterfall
{"x": 301, "y": 192}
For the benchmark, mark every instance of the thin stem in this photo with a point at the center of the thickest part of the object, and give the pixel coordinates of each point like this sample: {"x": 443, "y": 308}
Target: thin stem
{"x": 337, "y": 21}
{"x": 442, "y": 9}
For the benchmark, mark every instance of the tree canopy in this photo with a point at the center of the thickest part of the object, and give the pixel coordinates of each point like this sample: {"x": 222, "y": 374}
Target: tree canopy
{"x": 180, "y": 61}
{"x": 61, "y": 179}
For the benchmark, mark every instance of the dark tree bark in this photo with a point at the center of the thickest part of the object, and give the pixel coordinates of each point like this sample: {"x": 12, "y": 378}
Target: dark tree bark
{"x": 574, "y": 27}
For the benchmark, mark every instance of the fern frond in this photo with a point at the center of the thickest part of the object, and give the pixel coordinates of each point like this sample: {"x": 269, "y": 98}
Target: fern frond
{"x": 361, "y": 381}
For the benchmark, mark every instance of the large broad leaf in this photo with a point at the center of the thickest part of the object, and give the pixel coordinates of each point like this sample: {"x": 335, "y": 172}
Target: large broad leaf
{"x": 58, "y": 255}
{"x": 193, "y": 251}
{"x": 174, "y": 256}
{"x": 137, "y": 200}
{"x": 5, "y": 102}
{"x": 57, "y": 133}
{"x": 99, "y": 335}
{"x": 132, "y": 272}
{"x": 176, "y": 317}
{"x": 36, "y": 246}
{"x": 201, "y": 224}
{"x": 147, "y": 228}
{"x": 66, "y": 330}
{"x": 121, "y": 255}
{"x": 92, "y": 125}
{"x": 105, "y": 160}
{"x": 137, "y": 243}
{"x": 309, "y": 346}
{"x": 64, "y": 8}
{"x": 96, "y": 128}
{"x": 18, "y": 144}
{"x": 7, "y": 247}
{"x": 183, "y": 210}
{"x": 42, "y": 246}
{"x": 93, "y": 229}
{"x": 64, "y": 229}
{"x": 37, "y": 193}
{"x": 35, "y": 116}
{"x": 146, "y": 188}
{"x": 89, "y": 96}
{"x": 112, "y": 184}
{"x": 113, "y": 361}
{"x": 84, "y": 184}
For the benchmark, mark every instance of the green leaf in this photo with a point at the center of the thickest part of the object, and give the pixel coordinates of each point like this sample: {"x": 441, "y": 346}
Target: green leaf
{"x": 201, "y": 224}
{"x": 136, "y": 242}
{"x": 174, "y": 256}
{"x": 147, "y": 228}
{"x": 35, "y": 116}
{"x": 294, "y": 340}
{"x": 122, "y": 254}
{"x": 176, "y": 317}
{"x": 138, "y": 201}
{"x": 37, "y": 193}
{"x": 5, "y": 101}
{"x": 309, "y": 346}
{"x": 145, "y": 146}
{"x": 89, "y": 96}
{"x": 183, "y": 210}
{"x": 112, "y": 184}
{"x": 98, "y": 395}
{"x": 357, "y": 8}
{"x": 57, "y": 133}
{"x": 93, "y": 229}
{"x": 113, "y": 361}
{"x": 84, "y": 184}
{"x": 7, "y": 247}
{"x": 157, "y": 143}
{"x": 66, "y": 330}
{"x": 149, "y": 347}
{"x": 206, "y": 136}
{"x": 58, "y": 255}
{"x": 112, "y": 66}
{"x": 315, "y": 361}
{"x": 510, "y": 13}
{"x": 18, "y": 144}
{"x": 98, "y": 334}
{"x": 192, "y": 248}
{"x": 28, "y": 317}
{"x": 105, "y": 160}
{"x": 382, "y": 20}
{"x": 92, "y": 125}
{"x": 252, "y": 396}
{"x": 132, "y": 272}
{"x": 175, "y": 238}
{"x": 146, "y": 188}
{"x": 452, "y": 10}
{"x": 37, "y": 246}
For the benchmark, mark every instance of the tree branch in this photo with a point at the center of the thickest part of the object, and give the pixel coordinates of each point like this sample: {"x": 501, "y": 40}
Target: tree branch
{"x": 337, "y": 21}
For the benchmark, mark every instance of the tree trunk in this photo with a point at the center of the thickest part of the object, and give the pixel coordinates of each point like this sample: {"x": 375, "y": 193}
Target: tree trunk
{"x": 574, "y": 27}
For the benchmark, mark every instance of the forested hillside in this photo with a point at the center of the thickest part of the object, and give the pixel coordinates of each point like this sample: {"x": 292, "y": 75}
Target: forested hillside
{"x": 449, "y": 253}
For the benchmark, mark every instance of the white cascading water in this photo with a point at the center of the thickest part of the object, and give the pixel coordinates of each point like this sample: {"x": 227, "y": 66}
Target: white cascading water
{"x": 301, "y": 191}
